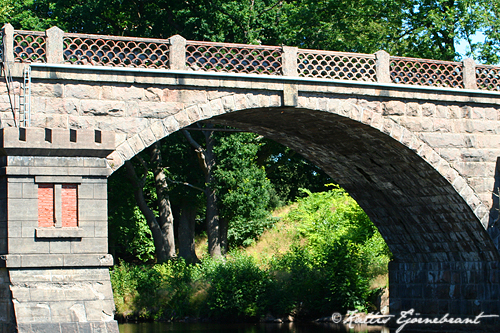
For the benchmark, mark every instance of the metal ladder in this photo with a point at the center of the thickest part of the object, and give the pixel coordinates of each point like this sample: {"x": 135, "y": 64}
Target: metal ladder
{"x": 25, "y": 99}
{"x": 20, "y": 103}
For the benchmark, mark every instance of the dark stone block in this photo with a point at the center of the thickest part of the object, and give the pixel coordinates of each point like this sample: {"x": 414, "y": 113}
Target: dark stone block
{"x": 407, "y": 304}
{"x": 46, "y": 328}
{"x": 455, "y": 277}
{"x": 25, "y": 328}
{"x": 84, "y": 328}
{"x": 443, "y": 291}
{"x": 69, "y": 327}
{"x": 112, "y": 326}
{"x": 98, "y": 327}
{"x": 454, "y": 307}
{"x": 444, "y": 307}
{"x": 429, "y": 291}
{"x": 494, "y": 290}
{"x": 416, "y": 291}
{"x": 395, "y": 306}
{"x": 470, "y": 292}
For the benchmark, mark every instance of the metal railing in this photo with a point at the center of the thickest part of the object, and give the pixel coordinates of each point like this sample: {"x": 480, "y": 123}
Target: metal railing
{"x": 79, "y": 49}
{"x": 55, "y": 46}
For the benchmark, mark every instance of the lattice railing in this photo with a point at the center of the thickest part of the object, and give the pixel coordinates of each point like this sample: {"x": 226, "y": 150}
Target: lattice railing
{"x": 177, "y": 53}
{"x": 115, "y": 51}
{"x": 336, "y": 65}
{"x": 488, "y": 77}
{"x": 424, "y": 72}
{"x": 30, "y": 46}
{"x": 234, "y": 58}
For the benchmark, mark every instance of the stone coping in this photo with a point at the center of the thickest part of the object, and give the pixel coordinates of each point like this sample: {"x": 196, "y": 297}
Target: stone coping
{"x": 32, "y": 141}
{"x": 145, "y": 76}
{"x": 53, "y": 232}
{"x": 55, "y": 260}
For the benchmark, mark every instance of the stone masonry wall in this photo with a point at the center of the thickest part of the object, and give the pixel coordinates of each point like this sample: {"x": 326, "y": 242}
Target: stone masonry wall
{"x": 421, "y": 161}
{"x": 418, "y": 212}
{"x": 55, "y": 245}
{"x": 436, "y": 289}
{"x": 63, "y": 300}
{"x": 7, "y": 317}
{"x": 24, "y": 235}
{"x": 3, "y": 215}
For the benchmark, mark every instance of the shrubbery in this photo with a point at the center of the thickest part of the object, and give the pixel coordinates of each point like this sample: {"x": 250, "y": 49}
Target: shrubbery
{"x": 335, "y": 253}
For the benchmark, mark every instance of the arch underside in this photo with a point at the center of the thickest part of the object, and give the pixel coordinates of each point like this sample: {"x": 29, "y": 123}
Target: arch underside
{"x": 418, "y": 212}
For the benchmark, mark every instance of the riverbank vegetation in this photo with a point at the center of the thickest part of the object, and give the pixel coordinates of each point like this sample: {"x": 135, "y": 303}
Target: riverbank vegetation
{"x": 325, "y": 254}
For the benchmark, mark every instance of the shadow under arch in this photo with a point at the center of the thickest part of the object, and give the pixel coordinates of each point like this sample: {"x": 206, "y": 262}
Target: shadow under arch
{"x": 444, "y": 259}
{"x": 419, "y": 213}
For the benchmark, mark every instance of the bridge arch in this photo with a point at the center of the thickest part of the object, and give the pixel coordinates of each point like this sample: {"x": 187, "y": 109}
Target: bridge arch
{"x": 374, "y": 157}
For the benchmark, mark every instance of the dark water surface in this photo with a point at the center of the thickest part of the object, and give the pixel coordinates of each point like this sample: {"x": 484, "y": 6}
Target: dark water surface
{"x": 243, "y": 328}
{"x": 287, "y": 328}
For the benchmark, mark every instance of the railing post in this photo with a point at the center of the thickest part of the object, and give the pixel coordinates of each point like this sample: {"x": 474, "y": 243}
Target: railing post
{"x": 290, "y": 61}
{"x": 382, "y": 65}
{"x": 8, "y": 43}
{"x": 469, "y": 74}
{"x": 177, "y": 57}
{"x": 54, "y": 45}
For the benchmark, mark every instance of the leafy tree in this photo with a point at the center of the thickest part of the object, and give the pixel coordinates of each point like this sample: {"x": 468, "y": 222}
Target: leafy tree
{"x": 336, "y": 253}
{"x": 488, "y": 51}
{"x": 432, "y": 27}
{"x": 207, "y": 163}
{"x": 244, "y": 191}
{"x": 289, "y": 172}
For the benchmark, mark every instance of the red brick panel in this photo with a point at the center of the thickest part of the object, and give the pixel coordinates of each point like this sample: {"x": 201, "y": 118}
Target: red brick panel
{"x": 69, "y": 205}
{"x": 46, "y": 205}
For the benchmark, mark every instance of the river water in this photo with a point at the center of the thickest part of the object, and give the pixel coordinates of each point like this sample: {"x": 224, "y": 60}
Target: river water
{"x": 245, "y": 328}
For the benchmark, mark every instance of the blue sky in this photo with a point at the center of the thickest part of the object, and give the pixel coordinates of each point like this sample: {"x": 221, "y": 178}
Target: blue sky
{"x": 462, "y": 46}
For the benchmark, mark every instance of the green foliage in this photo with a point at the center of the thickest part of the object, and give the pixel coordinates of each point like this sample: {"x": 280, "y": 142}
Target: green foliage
{"x": 129, "y": 235}
{"x": 237, "y": 286}
{"x": 420, "y": 28}
{"x": 288, "y": 171}
{"x": 342, "y": 252}
{"x": 242, "y": 187}
{"x": 162, "y": 291}
{"x": 337, "y": 252}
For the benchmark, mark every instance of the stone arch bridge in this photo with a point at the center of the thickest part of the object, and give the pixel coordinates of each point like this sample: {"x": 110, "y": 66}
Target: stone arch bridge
{"x": 415, "y": 142}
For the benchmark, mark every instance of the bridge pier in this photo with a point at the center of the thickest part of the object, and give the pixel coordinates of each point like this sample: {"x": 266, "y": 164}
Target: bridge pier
{"x": 54, "y": 273}
{"x": 462, "y": 289}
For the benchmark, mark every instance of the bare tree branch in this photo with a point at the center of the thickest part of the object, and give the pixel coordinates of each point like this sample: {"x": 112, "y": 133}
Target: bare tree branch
{"x": 186, "y": 184}
{"x": 198, "y": 149}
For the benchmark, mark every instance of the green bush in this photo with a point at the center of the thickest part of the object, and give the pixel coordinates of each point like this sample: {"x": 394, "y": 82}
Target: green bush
{"x": 237, "y": 286}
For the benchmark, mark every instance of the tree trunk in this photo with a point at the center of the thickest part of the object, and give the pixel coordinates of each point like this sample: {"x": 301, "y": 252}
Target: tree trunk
{"x": 158, "y": 239}
{"x": 186, "y": 244}
{"x": 214, "y": 241}
{"x": 223, "y": 227}
{"x": 162, "y": 227}
{"x": 166, "y": 218}
{"x": 207, "y": 162}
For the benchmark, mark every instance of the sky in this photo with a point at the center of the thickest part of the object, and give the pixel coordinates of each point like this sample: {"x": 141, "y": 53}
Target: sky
{"x": 462, "y": 47}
